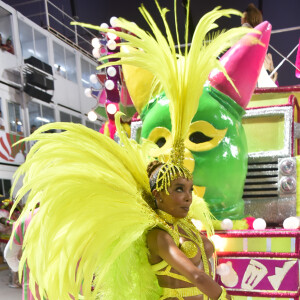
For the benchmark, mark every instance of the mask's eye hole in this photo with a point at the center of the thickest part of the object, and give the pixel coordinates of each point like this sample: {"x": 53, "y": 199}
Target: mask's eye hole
{"x": 161, "y": 142}
{"x": 161, "y": 136}
{"x": 199, "y": 137}
{"x": 203, "y": 136}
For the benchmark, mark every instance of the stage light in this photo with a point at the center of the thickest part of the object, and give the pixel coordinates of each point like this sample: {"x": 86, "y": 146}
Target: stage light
{"x": 92, "y": 116}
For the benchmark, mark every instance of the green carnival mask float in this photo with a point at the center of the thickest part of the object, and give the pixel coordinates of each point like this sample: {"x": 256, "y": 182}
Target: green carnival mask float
{"x": 216, "y": 147}
{"x": 216, "y": 144}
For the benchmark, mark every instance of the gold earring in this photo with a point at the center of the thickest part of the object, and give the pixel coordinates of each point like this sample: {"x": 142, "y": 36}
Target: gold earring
{"x": 160, "y": 200}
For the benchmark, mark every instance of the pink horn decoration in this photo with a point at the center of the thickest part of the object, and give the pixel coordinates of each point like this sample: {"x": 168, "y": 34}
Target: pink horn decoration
{"x": 243, "y": 63}
{"x": 298, "y": 61}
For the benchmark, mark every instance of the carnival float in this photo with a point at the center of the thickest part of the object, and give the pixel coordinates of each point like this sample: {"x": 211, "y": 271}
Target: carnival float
{"x": 244, "y": 151}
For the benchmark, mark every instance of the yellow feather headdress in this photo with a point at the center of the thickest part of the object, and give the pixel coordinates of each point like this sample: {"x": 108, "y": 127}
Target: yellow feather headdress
{"x": 182, "y": 75}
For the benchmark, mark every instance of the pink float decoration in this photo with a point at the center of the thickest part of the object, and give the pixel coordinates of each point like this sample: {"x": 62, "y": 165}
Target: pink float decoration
{"x": 298, "y": 61}
{"x": 243, "y": 63}
{"x": 260, "y": 265}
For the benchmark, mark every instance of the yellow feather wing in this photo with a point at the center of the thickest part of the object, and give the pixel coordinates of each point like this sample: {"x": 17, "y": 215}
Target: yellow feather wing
{"x": 92, "y": 216}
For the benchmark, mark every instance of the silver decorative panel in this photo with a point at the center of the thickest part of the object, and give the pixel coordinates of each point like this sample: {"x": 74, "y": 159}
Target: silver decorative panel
{"x": 136, "y": 128}
{"x": 269, "y": 192}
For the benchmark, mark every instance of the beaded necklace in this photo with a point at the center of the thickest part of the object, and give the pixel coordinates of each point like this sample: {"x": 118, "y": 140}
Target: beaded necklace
{"x": 191, "y": 233}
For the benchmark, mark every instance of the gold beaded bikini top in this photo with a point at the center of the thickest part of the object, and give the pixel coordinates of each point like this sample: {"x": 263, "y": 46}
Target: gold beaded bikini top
{"x": 189, "y": 248}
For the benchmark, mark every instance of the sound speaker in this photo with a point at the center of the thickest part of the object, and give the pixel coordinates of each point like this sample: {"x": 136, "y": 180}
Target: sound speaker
{"x": 39, "y": 64}
{"x": 37, "y": 93}
{"x": 40, "y": 80}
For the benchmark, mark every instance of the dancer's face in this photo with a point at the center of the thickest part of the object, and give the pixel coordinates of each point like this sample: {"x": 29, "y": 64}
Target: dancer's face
{"x": 178, "y": 202}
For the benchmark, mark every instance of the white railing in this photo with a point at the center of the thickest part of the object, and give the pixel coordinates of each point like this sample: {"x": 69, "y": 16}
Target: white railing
{"x": 285, "y": 58}
{"x": 54, "y": 24}
{"x": 57, "y": 21}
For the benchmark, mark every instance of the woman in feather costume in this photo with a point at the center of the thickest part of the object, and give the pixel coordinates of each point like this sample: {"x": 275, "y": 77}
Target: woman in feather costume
{"x": 178, "y": 254}
{"x": 101, "y": 224}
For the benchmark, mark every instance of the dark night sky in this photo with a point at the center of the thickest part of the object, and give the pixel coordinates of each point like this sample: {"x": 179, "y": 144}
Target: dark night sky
{"x": 281, "y": 14}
